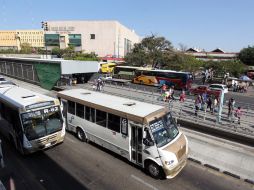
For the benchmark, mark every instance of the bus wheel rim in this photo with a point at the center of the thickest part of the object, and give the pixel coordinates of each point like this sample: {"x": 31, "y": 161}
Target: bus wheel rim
{"x": 153, "y": 170}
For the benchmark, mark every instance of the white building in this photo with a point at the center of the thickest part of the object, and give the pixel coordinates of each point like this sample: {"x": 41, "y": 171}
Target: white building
{"x": 102, "y": 37}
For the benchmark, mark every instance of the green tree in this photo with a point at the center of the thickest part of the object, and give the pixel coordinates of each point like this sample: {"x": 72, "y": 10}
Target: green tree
{"x": 246, "y": 55}
{"x": 69, "y": 52}
{"x": 26, "y": 48}
{"x": 57, "y": 51}
{"x": 153, "y": 51}
{"x": 235, "y": 68}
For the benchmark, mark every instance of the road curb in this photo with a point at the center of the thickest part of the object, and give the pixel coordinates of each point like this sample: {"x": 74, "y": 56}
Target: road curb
{"x": 221, "y": 171}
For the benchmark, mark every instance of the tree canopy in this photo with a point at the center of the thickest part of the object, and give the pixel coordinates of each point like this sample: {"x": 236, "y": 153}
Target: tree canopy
{"x": 153, "y": 51}
{"x": 246, "y": 55}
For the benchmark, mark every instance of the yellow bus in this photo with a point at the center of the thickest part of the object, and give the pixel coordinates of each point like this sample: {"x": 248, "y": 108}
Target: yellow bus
{"x": 143, "y": 133}
{"x": 31, "y": 121}
{"x": 107, "y": 67}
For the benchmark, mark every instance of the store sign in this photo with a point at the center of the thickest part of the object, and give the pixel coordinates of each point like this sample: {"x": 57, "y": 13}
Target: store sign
{"x": 62, "y": 28}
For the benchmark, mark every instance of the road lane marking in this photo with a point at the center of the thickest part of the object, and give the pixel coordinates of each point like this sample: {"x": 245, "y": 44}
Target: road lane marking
{"x": 142, "y": 181}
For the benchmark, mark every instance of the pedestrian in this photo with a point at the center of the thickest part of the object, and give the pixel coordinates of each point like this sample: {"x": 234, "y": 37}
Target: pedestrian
{"x": 164, "y": 87}
{"x": 238, "y": 114}
{"x": 204, "y": 100}
{"x": 234, "y": 87}
{"x": 82, "y": 80}
{"x": 197, "y": 104}
{"x": 182, "y": 96}
{"x": 209, "y": 103}
{"x": 203, "y": 79}
{"x": 98, "y": 84}
{"x": 171, "y": 93}
{"x": 231, "y": 104}
{"x": 214, "y": 105}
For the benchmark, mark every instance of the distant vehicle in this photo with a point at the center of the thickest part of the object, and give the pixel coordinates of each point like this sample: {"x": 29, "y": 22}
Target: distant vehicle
{"x": 219, "y": 87}
{"x": 143, "y": 133}
{"x": 31, "y": 121}
{"x": 202, "y": 89}
{"x": 125, "y": 72}
{"x": 158, "y": 77}
{"x": 2, "y": 78}
{"x": 106, "y": 77}
{"x": 107, "y": 67}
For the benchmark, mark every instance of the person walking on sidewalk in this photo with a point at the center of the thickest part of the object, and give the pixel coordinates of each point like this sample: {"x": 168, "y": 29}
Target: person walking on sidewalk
{"x": 238, "y": 114}
{"x": 182, "y": 96}
{"x": 197, "y": 104}
{"x": 231, "y": 104}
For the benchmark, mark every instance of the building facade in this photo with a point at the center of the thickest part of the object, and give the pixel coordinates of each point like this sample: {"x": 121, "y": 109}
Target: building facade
{"x": 101, "y": 37}
{"x": 215, "y": 55}
{"x": 13, "y": 39}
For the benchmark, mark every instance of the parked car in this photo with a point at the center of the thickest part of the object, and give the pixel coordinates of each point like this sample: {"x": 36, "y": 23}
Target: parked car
{"x": 219, "y": 87}
{"x": 202, "y": 88}
{"x": 2, "y": 78}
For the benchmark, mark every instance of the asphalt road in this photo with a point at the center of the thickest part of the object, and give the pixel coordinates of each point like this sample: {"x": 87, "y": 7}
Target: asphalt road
{"x": 77, "y": 165}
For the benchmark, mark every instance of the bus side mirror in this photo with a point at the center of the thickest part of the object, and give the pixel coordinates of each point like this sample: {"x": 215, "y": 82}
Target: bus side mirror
{"x": 148, "y": 142}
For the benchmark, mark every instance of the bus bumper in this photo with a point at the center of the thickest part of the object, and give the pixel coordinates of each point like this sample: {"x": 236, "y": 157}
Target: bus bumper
{"x": 40, "y": 146}
{"x": 171, "y": 173}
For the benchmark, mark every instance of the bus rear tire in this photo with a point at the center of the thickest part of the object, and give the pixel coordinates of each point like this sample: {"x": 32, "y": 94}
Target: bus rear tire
{"x": 154, "y": 170}
{"x": 81, "y": 135}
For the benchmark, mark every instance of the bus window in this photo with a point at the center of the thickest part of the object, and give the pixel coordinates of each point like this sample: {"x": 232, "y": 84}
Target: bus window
{"x": 101, "y": 118}
{"x": 71, "y": 107}
{"x": 80, "y": 110}
{"x": 114, "y": 122}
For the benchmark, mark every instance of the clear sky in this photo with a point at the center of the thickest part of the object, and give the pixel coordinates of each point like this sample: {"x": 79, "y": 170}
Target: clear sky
{"x": 205, "y": 24}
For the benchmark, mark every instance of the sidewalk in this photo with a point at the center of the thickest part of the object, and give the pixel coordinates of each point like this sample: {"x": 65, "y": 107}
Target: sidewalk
{"x": 221, "y": 155}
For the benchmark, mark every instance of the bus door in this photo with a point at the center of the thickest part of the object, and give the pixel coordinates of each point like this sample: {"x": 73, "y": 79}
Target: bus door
{"x": 136, "y": 143}
{"x": 64, "y": 111}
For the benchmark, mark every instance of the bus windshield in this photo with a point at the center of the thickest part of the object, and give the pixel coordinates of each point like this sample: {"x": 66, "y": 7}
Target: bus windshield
{"x": 42, "y": 122}
{"x": 164, "y": 130}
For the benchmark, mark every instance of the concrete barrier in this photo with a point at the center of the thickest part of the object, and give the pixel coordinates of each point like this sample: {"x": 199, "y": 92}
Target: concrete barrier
{"x": 218, "y": 131}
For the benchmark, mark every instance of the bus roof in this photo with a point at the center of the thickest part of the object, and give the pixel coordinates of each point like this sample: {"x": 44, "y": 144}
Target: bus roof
{"x": 19, "y": 97}
{"x": 165, "y": 71}
{"x": 130, "y": 67}
{"x": 124, "y": 107}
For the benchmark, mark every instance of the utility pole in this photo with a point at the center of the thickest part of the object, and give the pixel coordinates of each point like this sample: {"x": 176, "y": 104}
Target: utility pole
{"x": 221, "y": 100}
{"x": 44, "y": 25}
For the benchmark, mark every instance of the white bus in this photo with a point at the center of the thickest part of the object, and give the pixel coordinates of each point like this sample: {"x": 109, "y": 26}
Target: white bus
{"x": 145, "y": 134}
{"x": 31, "y": 121}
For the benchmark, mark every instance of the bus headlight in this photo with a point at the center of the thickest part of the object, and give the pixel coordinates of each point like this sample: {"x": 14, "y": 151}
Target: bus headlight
{"x": 168, "y": 163}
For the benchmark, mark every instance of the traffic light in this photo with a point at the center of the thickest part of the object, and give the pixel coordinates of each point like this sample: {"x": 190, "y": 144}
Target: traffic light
{"x": 44, "y": 25}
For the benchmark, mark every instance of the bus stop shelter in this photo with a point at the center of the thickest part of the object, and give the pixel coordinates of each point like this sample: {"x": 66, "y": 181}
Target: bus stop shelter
{"x": 47, "y": 72}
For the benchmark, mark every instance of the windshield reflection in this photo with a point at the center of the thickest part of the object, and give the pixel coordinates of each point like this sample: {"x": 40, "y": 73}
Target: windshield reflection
{"x": 42, "y": 122}
{"x": 164, "y": 130}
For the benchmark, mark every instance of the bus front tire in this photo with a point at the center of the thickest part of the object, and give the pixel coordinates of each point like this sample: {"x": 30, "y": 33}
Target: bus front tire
{"x": 154, "y": 170}
{"x": 81, "y": 135}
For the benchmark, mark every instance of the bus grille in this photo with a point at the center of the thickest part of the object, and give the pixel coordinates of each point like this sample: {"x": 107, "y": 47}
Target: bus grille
{"x": 181, "y": 152}
{"x": 47, "y": 139}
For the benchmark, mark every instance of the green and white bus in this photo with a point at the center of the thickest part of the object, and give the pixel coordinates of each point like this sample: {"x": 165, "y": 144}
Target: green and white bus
{"x": 31, "y": 121}
{"x": 145, "y": 134}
